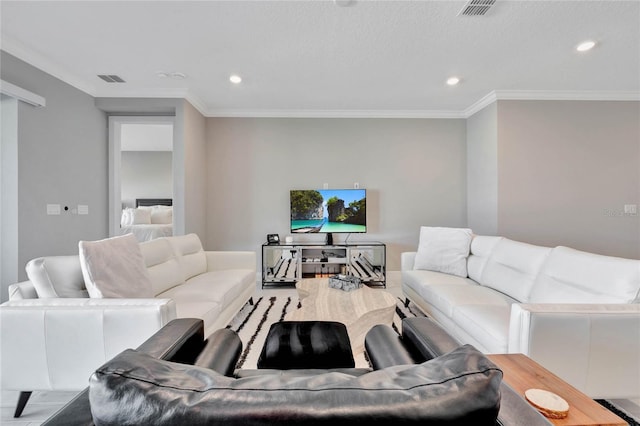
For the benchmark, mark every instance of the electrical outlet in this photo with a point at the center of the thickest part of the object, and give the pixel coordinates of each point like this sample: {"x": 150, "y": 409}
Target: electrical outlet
{"x": 325, "y": 186}
{"x": 83, "y": 209}
{"x": 631, "y": 209}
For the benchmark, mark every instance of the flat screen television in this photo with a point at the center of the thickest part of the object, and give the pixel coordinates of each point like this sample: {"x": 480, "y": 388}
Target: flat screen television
{"x": 328, "y": 211}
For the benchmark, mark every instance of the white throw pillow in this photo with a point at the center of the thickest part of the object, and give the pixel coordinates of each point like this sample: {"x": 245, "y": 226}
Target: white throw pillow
{"x": 141, "y": 216}
{"x": 127, "y": 217}
{"x": 57, "y": 276}
{"x": 443, "y": 250}
{"x": 162, "y": 215}
{"x": 114, "y": 268}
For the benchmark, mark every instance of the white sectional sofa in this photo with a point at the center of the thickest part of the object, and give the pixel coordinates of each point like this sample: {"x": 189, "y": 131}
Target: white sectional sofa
{"x": 53, "y": 335}
{"x": 575, "y": 313}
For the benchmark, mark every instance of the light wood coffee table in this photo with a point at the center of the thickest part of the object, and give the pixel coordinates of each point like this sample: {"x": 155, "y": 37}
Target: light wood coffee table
{"x": 358, "y": 309}
{"x": 522, "y": 373}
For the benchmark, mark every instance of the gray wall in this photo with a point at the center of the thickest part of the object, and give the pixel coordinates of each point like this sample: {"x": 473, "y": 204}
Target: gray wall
{"x": 62, "y": 159}
{"x": 482, "y": 171}
{"x": 195, "y": 172}
{"x": 565, "y": 171}
{"x": 413, "y": 169}
{"x": 145, "y": 174}
{"x": 8, "y": 194}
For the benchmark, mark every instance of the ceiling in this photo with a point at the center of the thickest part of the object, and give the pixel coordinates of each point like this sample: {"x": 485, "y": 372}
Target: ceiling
{"x": 318, "y": 58}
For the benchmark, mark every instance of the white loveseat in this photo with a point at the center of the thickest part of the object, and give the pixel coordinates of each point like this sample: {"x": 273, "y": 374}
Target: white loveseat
{"x": 55, "y": 341}
{"x": 574, "y": 312}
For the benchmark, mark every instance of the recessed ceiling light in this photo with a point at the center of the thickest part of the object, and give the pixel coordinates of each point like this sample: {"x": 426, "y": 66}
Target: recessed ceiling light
{"x": 585, "y": 45}
{"x": 452, "y": 81}
{"x": 235, "y": 79}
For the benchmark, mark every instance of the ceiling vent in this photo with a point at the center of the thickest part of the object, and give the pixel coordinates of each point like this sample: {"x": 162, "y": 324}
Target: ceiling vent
{"x": 111, "y": 78}
{"x": 476, "y": 7}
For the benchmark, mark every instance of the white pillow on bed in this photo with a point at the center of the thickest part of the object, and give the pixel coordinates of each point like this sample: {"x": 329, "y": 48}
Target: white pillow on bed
{"x": 114, "y": 268}
{"x": 141, "y": 216}
{"x": 443, "y": 250}
{"x": 127, "y": 217}
{"x": 162, "y": 215}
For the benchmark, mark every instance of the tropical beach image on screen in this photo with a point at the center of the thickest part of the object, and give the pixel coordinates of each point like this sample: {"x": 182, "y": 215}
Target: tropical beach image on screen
{"x": 328, "y": 210}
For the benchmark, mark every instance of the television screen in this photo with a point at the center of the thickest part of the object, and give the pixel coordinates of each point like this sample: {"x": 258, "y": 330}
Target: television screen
{"x": 328, "y": 210}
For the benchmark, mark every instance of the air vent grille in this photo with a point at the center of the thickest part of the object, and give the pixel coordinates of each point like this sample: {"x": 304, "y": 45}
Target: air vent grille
{"x": 476, "y": 7}
{"x": 111, "y": 78}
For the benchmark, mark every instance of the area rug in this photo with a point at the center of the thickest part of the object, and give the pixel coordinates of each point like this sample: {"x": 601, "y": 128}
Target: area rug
{"x": 253, "y": 321}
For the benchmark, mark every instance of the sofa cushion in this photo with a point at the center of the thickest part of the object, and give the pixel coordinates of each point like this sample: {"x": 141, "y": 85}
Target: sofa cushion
{"x": 162, "y": 265}
{"x": 114, "y": 267}
{"x": 443, "y": 250}
{"x": 573, "y": 276}
{"x": 488, "y": 324}
{"x": 460, "y": 387}
{"x": 513, "y": 267}
{"x": 446, "y": 297}
{"x": 419, "y": 280}
{"x": 189, "y": 252}
{"x": 57, "y": 276}
{"x": 481, "y": 248}
{"x": 222, "y": 286}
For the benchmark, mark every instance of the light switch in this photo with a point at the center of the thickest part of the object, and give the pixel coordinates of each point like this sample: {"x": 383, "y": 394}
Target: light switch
{"x": 356, "y": 185}
{"x": 53, "y": 209}
{"x": 83, "y": 209}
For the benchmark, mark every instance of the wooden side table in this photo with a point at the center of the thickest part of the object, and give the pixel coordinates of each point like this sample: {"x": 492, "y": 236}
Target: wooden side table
{"x": 522, "y": 373}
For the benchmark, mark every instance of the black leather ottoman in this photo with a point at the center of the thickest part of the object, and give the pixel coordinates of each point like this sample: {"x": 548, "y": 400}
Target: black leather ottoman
{"x": 306, "y": 344}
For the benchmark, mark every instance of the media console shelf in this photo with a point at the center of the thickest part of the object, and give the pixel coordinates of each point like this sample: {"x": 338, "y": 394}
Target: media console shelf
{"x": 284, "y": 265}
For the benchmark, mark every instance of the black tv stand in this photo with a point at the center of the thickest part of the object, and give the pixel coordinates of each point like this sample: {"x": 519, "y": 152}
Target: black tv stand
{"x": 329, "y": 240}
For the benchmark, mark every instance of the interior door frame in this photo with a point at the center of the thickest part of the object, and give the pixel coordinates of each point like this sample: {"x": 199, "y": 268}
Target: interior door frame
{"x": 115, "y": 162}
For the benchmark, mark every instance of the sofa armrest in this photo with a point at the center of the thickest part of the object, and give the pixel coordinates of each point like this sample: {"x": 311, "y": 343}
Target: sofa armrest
{"x": 407, "y": 260}
{"x": 221, "y": 353}
{"x": 221, "y": 260}
{"x": 22, "y": 290}
{"x": 384, "y": 348}
{"x": 173, "y": 340}
{"x": 57, "y": 343}
{"x": 593, "y": 347}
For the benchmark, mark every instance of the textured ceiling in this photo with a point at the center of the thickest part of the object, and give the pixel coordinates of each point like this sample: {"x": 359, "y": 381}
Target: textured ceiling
{"x": 297, "y": 57}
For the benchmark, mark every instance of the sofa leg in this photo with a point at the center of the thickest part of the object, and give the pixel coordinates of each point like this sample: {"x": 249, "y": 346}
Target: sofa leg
{"x": 406, "y": 302}
{"x": 251, "y": 301}
{"x": 22, "y": 401}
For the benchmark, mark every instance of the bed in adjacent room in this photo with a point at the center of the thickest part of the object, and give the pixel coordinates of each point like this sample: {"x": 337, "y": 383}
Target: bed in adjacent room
{"x": 151, "y": 218}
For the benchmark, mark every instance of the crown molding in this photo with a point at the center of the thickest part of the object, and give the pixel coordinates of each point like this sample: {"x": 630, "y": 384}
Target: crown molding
{"x": 46, "y": 65}
{"x": 480, "y": 104}
{"x": 21, "y": 94}
{"x": 549, "y": 95}
{"x": 335, "y": 114}
{"x": 566, "y": 95}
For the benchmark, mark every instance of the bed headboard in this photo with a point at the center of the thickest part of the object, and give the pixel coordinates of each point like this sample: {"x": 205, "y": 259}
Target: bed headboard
{"x": 142, "y": 202}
